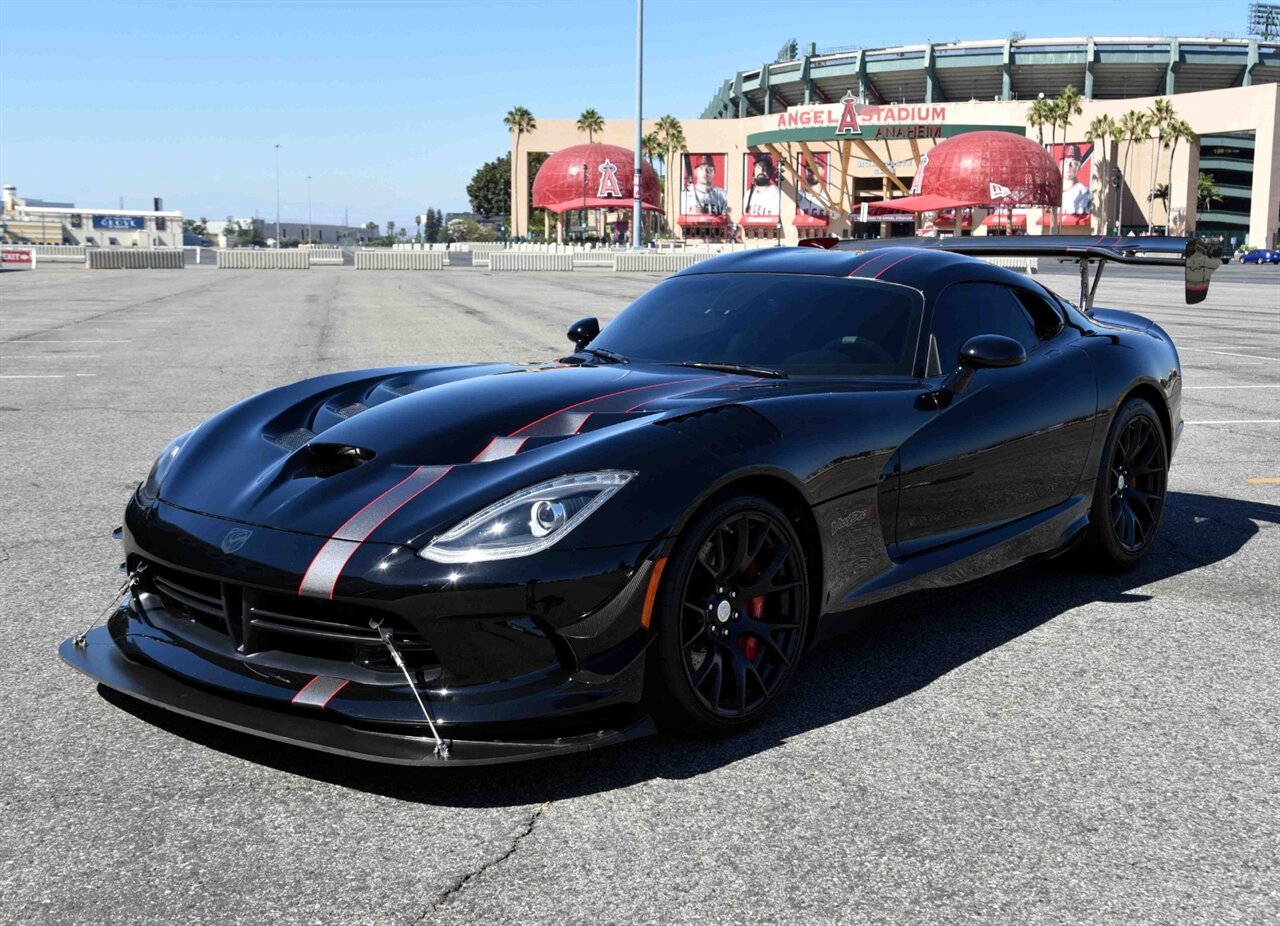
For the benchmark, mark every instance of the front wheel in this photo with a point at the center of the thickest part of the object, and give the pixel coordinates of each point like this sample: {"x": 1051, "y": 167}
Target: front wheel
{"x": 1129, "y": 498}
{"x": 733, "y": 611}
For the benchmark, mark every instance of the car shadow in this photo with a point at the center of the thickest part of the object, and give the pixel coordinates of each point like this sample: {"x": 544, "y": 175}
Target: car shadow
{"x": 892, "y": 651}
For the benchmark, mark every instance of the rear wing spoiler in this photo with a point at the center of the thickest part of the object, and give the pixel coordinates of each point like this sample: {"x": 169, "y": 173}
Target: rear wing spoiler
{"x": 1199, "y": 257}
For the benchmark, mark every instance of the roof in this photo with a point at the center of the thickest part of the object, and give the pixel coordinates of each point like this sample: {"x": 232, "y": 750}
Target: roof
{"x": 923, "y": 269}
{"x": 940, "y": 72}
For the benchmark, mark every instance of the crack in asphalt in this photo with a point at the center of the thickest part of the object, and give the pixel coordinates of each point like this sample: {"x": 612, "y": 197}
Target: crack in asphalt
{"x": 454, "y": 889}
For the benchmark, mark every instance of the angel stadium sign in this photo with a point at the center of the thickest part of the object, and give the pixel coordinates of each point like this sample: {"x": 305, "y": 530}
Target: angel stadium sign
{"x": 850, "y": 119}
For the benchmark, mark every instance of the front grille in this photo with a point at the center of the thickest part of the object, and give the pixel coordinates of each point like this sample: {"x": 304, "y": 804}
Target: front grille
{"x": 257, "y": 621}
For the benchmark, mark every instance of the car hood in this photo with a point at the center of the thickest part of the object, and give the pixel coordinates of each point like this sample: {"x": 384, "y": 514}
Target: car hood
{"x": 415, "y": 441}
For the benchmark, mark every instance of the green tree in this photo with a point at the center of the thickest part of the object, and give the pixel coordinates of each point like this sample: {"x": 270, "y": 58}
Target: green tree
{"x": 1159, "y": 119}
{"x": 1100, "y": 132}
{"x": 671, "y": 137}
{"x": 1067, "y": 105}
{"x": 519, "y": 121}
{"x": 1039, "y": 114}
{"x": 371, "y": 226}
{"x": 489, "y": 191}
{"x": 1207, "y": 190}
{"x": 1179, "y": 130}
{"x": 590, "y": 122}
{"x": 1160, "y": 192}
{"x": 391, "y": 228}
{"x": 1133, "y": 126}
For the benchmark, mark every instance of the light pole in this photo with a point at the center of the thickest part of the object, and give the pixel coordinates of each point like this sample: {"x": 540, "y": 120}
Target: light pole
{"x": 277, "y": 195}
{"x": 637, "y": 177}
{"x": 584, "y": 204}
{"x": 308, "y": 208}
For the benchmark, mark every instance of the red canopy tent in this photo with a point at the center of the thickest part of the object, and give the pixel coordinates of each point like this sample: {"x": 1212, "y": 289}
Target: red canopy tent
{"x": 593, "y": 177}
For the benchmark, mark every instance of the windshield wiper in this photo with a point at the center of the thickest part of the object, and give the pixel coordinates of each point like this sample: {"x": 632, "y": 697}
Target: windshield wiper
{"x": 605, "y": 354}
{"x": 734, "y": 368}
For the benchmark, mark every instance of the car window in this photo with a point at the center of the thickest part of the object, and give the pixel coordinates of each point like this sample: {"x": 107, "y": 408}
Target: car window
{"x": 800, "y": 324}
{"x": 967, "y": 309}
{"x": 1044, "y": 317}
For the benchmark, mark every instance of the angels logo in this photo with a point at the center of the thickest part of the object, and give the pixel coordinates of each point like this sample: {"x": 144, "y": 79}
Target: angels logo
{"x": 609, "y": 180}
{"x": 848, "y": 117}
{"x": 997, "y": 191}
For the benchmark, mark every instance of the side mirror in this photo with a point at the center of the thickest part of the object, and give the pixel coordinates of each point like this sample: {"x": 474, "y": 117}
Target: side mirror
{"x": 981, "y": 351}
{"x": 583, "y": 331}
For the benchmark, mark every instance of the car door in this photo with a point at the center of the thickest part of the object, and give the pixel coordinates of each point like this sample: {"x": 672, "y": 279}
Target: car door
{"x": 1014, "y": 442}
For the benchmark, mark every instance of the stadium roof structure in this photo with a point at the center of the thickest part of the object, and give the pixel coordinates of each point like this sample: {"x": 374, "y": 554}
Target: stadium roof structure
{"x": 1000, "y": 69}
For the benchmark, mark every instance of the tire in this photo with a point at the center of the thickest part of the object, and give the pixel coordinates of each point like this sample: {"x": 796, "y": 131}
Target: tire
{"x": 1129, "y": 497}
{"x": 732, "y": 614}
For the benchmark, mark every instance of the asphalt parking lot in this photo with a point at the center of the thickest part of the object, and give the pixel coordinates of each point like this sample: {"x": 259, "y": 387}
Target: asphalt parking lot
{"x": 1050, "y": 746}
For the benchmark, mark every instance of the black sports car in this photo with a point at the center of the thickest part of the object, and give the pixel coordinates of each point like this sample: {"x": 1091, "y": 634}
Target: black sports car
{"x": 478, "y": 563}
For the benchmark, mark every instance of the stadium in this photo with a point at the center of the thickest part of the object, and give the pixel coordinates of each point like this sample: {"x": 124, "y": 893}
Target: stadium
{"x": 807, "y": 144}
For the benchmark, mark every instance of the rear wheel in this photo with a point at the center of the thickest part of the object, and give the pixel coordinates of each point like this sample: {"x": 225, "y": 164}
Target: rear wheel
{"x": 733, "y": 609}
{"x": 1128, "y": 501}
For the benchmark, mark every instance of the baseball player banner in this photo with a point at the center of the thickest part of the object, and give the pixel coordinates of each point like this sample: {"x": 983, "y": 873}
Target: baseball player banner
{"x": 811, "y": 178}
{"x": 1075, "y": 160}
{"x": 702, "y": 195}
{"x": 761, "y": 193}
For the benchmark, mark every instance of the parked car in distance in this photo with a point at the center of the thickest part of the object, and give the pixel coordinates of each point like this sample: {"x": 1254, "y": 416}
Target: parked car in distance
{"x": 1260, "y": 256}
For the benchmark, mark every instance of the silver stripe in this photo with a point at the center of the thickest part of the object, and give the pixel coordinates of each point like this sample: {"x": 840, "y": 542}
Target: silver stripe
{"x": 319, "y": 690}
{"x": 499, "y": 449}
{"x": 323, "y": 572}
{"x": 561, "y": 425}
{"x": 363, "y": 522}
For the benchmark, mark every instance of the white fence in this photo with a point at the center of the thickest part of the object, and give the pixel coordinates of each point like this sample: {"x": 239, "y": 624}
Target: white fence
{"x": 399, "y": 260}
{"x": 325, "y": 255}
{"x": 70, "y": 253}
{"x": 658, "y": 262}
{"x": 1025, "y": 264}
{"x": 519, "y": 260}
{"x": 268, "y": 259}
{"x": 135, "y": 259}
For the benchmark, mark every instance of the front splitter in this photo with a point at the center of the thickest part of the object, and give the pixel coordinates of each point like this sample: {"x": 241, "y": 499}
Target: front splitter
{"x": 100, "y": 659}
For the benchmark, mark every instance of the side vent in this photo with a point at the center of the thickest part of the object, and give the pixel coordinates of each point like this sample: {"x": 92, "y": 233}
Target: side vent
{"x": 293, "y": 439}
{"x": 725, "y": 430}
{"x": 325, "y": 460}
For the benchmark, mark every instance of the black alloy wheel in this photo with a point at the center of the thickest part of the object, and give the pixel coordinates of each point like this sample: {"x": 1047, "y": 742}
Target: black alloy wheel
{"x": 1132, "y": 482}
{"x": 733, "y": 616}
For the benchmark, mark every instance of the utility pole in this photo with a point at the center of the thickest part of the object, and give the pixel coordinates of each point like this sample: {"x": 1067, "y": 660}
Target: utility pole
{"x": 308, "y": 208}
{"x": 277, "y": 194}
{"x": 637, "y": 177}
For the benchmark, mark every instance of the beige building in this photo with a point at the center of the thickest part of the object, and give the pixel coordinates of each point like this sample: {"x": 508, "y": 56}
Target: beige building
{"x": 35, "y": 222}
{"x": 865, "y": 152}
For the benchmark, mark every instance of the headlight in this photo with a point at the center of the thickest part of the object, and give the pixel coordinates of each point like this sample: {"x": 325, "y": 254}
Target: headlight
{"x": 149, "y": 490}
{"x": 528, "y": 521}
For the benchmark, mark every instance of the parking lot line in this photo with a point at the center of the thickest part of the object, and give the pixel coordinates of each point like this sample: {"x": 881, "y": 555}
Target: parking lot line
{"x": 52, "y": 341}
{"x": 1263, "y": 480}
{"x": 1238, "y": 421}
{"x": 1264, "y": 386}
{"x": 1224, "y": 353}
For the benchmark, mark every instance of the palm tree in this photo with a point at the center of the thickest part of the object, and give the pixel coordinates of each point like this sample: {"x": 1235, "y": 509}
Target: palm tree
{"x": 1100, "y": 131}
{"x": 590, "y": 122}
{"x": 1038, "y": 115}
{"x": 1065, "y": 106}
{"x": 1159, "y": 119}
{"x": 1179, "y": 130}
{"x": 1207, "y": 190}
{"x": 1160, "y": 192}
{"x": 1133, "y": 125}
{"x": 519, "y": 120}
{"x": 671, "y": 136}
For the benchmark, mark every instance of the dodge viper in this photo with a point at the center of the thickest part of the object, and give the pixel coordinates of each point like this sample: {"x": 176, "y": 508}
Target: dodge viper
{"x": 471, "y": 563}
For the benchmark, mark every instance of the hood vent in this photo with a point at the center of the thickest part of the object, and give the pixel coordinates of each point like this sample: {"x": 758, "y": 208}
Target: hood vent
{"x": 725, "y": 430}
{"x": 325, "y": 460}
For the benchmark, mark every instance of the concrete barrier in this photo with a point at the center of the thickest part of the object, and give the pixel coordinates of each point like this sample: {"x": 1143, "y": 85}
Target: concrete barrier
{"x": 657, "y": 262}
{"x": 325, "y": 255}
{"x": 516, "y": 260}
{"x": 267, "y": 259}
{"x": 69, "y": 253}
{"x": 135, "y": 259}
{"x": 399, "y": 260}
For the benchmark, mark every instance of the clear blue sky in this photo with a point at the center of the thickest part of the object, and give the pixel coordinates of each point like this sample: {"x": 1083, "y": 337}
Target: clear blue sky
{"x": 390, "y": 106}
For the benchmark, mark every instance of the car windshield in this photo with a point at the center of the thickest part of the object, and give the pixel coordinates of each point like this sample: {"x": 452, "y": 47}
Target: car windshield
{"x": 792, "y": 323}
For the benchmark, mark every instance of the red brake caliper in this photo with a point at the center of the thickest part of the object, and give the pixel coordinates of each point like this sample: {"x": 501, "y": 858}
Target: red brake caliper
{"x": 755, "y": 607}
